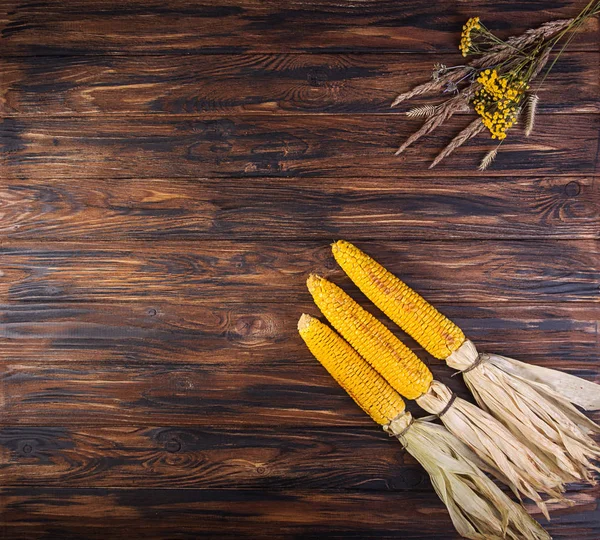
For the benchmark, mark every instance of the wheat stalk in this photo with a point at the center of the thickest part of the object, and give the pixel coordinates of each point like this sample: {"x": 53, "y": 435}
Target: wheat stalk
{"x": 424, "y": 88}
{"x": 431, "y": 86}
{"x": 488, "y": 159}
{"x": 475, "y": 127}
{"x": 422, "y": 112}
{"x": 542, "y": 61}
{"x": 443, "y": 112}
{"x": 505, "y": 50}
{"x": 523, "y": 56}
{"x": 532, "y": 103}
{"x": 502, "y": 52}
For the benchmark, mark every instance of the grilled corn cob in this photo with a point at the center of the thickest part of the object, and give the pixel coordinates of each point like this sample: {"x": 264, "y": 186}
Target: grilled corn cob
{"x": 438, "y": 335}
{"x": 386, "y": 353}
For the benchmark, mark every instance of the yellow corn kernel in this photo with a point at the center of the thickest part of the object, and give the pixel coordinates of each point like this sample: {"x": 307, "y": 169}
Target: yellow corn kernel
{"x": 371, "y": 339}
{"x": 364, "y": 385}
{"x": 410, "y": 311}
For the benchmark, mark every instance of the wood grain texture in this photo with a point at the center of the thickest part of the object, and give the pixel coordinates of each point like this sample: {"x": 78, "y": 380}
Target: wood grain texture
{"x": 258, "y": 146}
{"x": 240, "y": 396}
{"x": 359, "y": 208}
{"x": 211, "y": 458}
{"x": 238, "y": 366}
{"x": 245, "y": 338}
{"x": 184, "y": 514}
{"x": 352, "y": 459}
{"x": 202, "y": 394}
{"x": 267, "y": 83}
{"x": 446, "y": 273}
{"x": 169, "y": 175}
{"x": 53, "y": 27}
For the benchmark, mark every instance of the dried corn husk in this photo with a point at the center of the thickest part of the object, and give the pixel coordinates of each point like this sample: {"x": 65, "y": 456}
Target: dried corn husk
{"x": 477, "y": 507}
{"x": 518, "y": 465}
{"x": 536, "y": 404}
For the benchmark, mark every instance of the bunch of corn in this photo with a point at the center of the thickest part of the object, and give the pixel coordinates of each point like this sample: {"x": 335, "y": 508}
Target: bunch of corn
{"x": 478, "y": 508}
{"x": 534, "y": 403}
{"x": 509, "y": 459}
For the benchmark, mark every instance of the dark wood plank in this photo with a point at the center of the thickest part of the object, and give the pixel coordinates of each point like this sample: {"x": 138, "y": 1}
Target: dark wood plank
{"x": 357, "y": 460}
{"x": 202, "y": 394}
{"x": 361, "y": 208}
{"x": 258, "y": 146}
{"x": 54, "y": 27}
{"x": 476, "y": 272}
{"x": 228, "y": 514}
{"x": 233, "y": 366}
{"x": 270, "y": 84}
{"x": 328, "y": 459}
{"x": 268, "y": 459}
{"x": 246, "y": 337}
{"x": 176, "y": 395}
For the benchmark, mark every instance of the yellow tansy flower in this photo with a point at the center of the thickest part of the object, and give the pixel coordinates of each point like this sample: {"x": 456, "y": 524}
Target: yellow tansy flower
{"x": 497, "y": 101}
{"x": 465, "y": 38}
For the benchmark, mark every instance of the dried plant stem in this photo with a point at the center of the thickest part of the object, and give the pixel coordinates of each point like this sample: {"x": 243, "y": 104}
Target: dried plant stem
{"x": 515, "y": 63}
{"x": 425, "y": 88}
{"x": 541, "y": 63}
{"x": 536, "y": 404}
{"x": 507, "y": 49}
{"x": 500, "y": 53}
{"x": 532, "y": 103}
{"x": 509, "y": 458}
{"x": 443, "y": 113}
{"x": 431, "y": 86}
{"x": 488, "y": 159}
{"x": 475, "y": 127}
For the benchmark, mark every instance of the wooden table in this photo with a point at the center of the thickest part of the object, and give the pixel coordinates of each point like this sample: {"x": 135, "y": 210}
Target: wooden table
{"x": 172, "y": 171}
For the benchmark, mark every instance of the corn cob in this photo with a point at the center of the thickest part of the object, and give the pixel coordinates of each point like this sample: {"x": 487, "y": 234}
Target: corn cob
{"x": 364, "y": 385}
{"x": 386, "y": 353}
{"x": 410, "y": 311}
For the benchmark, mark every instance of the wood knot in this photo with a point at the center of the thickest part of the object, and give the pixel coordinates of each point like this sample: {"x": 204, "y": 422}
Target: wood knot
{"x": 572, "y": 189}
{"x": 173, "y": 445}
{"x": 412, "y": 478}
{"x": 317, "y": 77}
{"x": 184, "y": 384}
{"x": 221, "y": 147}
{"x": 248, "y": 326}
{"x": 26, "y": 448}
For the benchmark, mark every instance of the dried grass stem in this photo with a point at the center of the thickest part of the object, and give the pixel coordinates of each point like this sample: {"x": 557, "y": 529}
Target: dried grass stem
{"x": 475, "y": 127}
{"x": 444, "y": 112}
